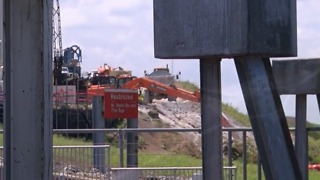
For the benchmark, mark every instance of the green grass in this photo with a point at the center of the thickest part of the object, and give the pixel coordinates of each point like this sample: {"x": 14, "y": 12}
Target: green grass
{"x": 234, "y": 113}
{"x": 314, "y": 175}
{"x": 172, "y": 160}
{"x": 187, "y": 85}
{"x": 167, "y": 160}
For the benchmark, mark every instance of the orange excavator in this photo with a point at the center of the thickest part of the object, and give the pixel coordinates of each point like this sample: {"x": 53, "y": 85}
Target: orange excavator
{"x": 160, "y": 88}
{"x": 126, "y": 81}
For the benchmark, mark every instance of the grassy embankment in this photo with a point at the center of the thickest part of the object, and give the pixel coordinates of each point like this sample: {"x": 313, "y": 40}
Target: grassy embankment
{"x": 243, "y": 119}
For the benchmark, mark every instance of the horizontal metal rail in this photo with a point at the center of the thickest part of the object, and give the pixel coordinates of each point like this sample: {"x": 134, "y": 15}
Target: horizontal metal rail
{"x": 83, "y": 146}
{"x": 156, "y": 130}
{"x": 161, "y": 130}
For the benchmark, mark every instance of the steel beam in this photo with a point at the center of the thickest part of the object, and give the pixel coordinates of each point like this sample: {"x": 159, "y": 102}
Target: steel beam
{"x": 28, "y": 89}
{"x": 267, "y": 118}
{"x": 210, "y": 78}
{"x": 301, "y": 134}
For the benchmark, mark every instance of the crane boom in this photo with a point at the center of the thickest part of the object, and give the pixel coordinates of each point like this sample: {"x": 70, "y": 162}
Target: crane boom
{"x": 56, "y": 27}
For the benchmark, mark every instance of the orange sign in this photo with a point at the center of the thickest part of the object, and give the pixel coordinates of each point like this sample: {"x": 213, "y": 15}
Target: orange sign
{"x": 120, "y": 103}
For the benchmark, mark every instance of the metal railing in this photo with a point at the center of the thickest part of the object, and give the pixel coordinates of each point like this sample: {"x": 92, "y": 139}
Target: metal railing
{"x": 120, "y": 144}
{"x": 91, "y": 161}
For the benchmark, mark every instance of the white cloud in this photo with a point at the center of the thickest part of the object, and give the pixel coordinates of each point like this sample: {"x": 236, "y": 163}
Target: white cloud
{"x": 308, "y": 28}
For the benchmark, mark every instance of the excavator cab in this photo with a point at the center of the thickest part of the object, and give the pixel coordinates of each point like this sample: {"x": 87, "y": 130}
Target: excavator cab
{"x": 98, "y": 84}
{"x": 104, "y": 81}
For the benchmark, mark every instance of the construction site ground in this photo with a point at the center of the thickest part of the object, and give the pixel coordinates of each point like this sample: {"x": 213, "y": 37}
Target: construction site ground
{"x": 172, "y": 114}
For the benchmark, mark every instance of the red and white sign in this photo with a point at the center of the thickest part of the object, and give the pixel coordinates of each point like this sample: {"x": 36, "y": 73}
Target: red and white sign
{"x": 120, "y": 103}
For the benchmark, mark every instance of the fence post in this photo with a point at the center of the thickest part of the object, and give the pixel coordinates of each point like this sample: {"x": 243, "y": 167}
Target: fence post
{"x": 244, "y": 154}
{"x": 98, "y": 137}
{"x": 121, "y": 147}
{"x": 230, "y": 154}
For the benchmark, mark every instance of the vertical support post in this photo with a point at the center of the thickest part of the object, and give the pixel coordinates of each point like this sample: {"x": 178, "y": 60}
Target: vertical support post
{"x": 244, "y": 154}
{"x": 132, "y": 144}
{"x": 301, "y": 138}
{"x": 98, "y": 137}
{"x": 230, "y": 155}
{"x": 267, "y": 118}
{"x": 318, "y": 100}
{"x": 210, "y": 79}
{"x": 121, "y": 147}
{"x": 28, "y": 89}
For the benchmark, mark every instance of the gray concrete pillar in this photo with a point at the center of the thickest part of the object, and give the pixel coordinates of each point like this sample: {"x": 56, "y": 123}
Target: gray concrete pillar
{"x": 211, "y": 129}
{"x": 132, "y": 144}
{"x": 267, "y": 118}
{"x": 98, "y": 137}
{"x": 301, "y": 134}
{"x": 28, "y": 89}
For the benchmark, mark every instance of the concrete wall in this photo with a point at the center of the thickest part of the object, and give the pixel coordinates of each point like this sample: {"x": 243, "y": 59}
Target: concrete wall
{"x": 297, "y": 76}
{"x": 224, "y": 28}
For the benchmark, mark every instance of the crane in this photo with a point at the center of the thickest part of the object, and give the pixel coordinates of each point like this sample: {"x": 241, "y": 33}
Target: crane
{"x": 69, "y": 58}
{"x": 57, "y": 43}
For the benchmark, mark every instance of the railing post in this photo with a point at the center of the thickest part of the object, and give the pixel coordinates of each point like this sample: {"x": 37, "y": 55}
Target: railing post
{"x": 121, "y": 147}
{"x": 259, "y": 166}
{"x": 244, "y": 154}
{"x": 230, "y": 154}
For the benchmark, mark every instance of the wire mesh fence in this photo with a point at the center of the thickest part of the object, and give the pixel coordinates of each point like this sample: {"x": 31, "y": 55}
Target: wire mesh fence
{"x": 81, "y": 162}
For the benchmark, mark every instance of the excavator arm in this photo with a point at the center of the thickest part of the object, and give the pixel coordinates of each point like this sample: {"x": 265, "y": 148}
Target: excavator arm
{"x": 160, "y": 88}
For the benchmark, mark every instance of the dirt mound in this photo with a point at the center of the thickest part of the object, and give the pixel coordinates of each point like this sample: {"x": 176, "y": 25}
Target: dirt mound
{"x": 176, "y": 114}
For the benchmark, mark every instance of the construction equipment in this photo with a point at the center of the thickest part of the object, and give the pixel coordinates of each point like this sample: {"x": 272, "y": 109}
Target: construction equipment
{"x": 68, "y": 58}
{"x": 116, "y": 72}
{"x": 107, "y": 78}
{"x": 162, "y": 75}
{"x": 156, "y": 85}
{"x": 153, "y": 86}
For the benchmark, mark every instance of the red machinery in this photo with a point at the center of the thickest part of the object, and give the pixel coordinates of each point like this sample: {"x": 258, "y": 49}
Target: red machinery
{"x": 106, "y": 78}
{"x": 157, "y": 87}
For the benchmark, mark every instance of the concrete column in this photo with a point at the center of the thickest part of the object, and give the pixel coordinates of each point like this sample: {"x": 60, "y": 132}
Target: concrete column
{"x": 28, "y": 89}
{"x": 301, "y": 135}
{"x": 267, "y": 118}
{"x": 132, "y": 144}
{"x": 98, "y": 137}
{"x": 210, "y": 78}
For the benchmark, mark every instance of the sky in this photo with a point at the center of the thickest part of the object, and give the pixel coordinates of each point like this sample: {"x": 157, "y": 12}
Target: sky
{"x": 120, "y": 33}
